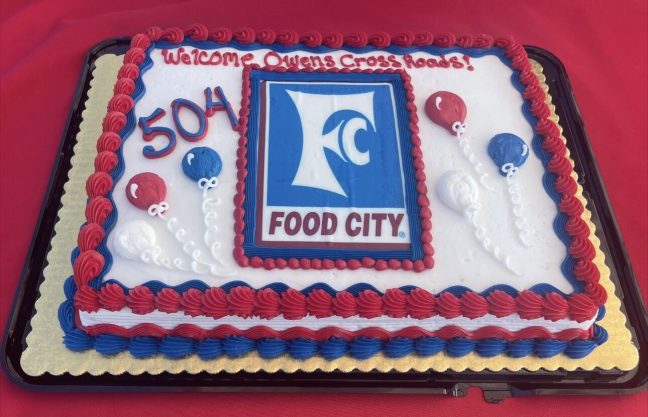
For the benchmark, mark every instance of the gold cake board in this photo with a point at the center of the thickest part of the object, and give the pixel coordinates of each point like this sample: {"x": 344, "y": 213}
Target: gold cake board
{"x": 45, "y": 352}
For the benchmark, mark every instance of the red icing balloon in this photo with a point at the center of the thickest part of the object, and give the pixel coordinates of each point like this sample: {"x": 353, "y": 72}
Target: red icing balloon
{"x": 145, "y": 189}
{"x": 445, "y": 109}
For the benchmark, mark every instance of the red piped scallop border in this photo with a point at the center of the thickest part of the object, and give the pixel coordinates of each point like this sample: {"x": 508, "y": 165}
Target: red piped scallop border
{"x": 419, "y": 265}
{"x": 580, "y": 306}
{"x": 259, "y": 332}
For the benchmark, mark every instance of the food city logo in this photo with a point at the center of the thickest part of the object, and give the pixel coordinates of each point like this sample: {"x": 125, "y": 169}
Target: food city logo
{"x": 327, "y": 166}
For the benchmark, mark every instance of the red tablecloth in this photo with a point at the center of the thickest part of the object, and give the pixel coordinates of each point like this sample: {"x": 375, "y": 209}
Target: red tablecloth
{"x": 42, "y": 46}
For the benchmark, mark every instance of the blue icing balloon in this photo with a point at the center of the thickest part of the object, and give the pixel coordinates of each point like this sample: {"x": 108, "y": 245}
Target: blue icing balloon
{"x": 509, "y": 153}
{"x": 202, "y": 163}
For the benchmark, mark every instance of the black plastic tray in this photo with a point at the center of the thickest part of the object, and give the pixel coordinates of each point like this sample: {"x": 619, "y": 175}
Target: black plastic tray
{"x": 495, "y": 385}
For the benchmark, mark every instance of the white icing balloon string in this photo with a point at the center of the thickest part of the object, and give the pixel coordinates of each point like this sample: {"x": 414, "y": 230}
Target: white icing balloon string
{"x": 459, "y": 191}
{"x": 467, "y": 152}
{"x": 210, "y": 216}
{"x": 157, "y": 209}
{"x": 188, "y": 246}
{"x": 525, "y": 233}
{"x": 153, "y": 256}
{"x": 486, "y": 242}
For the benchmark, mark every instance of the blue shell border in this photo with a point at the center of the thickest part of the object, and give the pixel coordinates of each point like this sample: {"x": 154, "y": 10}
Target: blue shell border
{"x": 360, "y": 348}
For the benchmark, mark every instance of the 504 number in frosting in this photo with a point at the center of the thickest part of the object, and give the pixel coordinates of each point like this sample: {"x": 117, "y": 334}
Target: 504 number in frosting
{"x": 211, "y": 107}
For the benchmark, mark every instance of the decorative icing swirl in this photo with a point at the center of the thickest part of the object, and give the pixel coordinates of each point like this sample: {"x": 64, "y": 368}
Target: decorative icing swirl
{"x": 465, "y": 41}
{"x": 501, "y": 304}
{"x": 272, "y": 347}
{"x": 140, "y": 300}
{"x": 571, "y": 205}
{"x": 293, "y": 304}
{"x": 209, "y": 349}
{"x": 596, "y": 292}
{"x": 395, "y": 303}
{"x": 98, "y": 184}
{"x": 86, "y": 299}
{"x": 473, "y": 305}
{"x": 114, "y": 122}
{"x": 344, "y": 304}
{"x": 379, "y": 39}
{"x": 266, "y": 36}
{"x": 287, "y": 37}
{"x": 191, "y": 301}
{"x": 87, "y": 266}
{"x": 90, "y": 235}
{"x": 529, "y": 305}
{"x": 143, "y": 347}
{"x": 153, "y": 33}
{"x": 128, "y": 71}
{"x": 244, "y": 35}
{"x": 581, "y": 307}
{"x": 135, "y": 56}
{"x": 444, "y": 40}
{"x": 112, "y": 297}
{"x": 404, "y": 39}
{"x": 576, "y": 226}
{"x": 167, "y": 300}
{"x": 108, "y": 142}
{"x": 398, "y": 347}
{"x": 448, "y": 305}
{"x": 364, "y": 347}
{"x": 482, "y": 41}
{"x": 565, "y": 184}
{"x": 369, "y": 304}
{"x": 220, "y": 35}
{"x": 333, "y": 40}
{"x": 215, "y": 303}
{"x": 554, "y": 145}
{"x": 121, "y": 103}
{"x": 586, "y": 271}
{"x": 559, "y": 165}
{"x": 555, "y": 306}
{"x": 320, "y": 303}
{"x": 267, "y": 303}
{"x": 333, "y": 348}
{"x": 98, "y": 210}
{"x": 582, "y": 249}
{"x": 140, "y": 41}
{"x": 172, "y": 35}
{"x": 421, "y": 304}
{"x": 302, "y": 348}
{"x": 197, "y": 32}
{"x": 548, "y": 129}
{"x": 459, "y": 346}
{"x": 105, "y": 161}
{"x": 311, "y": 39}
{"x": 241, "y": 301}
{"x": 423, "y": 38}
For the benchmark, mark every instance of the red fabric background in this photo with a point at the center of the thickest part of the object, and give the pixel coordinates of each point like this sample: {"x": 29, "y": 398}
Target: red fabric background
{"x": 42, "y": 45}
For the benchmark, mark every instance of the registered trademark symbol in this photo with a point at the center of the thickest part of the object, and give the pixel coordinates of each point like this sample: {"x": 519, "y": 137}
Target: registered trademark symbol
{"x": 401, "y": 234}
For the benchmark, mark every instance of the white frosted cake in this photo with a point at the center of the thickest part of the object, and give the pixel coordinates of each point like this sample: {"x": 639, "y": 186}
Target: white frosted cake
{"x": 312, "y": 195}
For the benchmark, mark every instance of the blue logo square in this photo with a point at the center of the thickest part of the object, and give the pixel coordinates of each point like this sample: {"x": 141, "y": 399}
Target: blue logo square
{"x": 332, "y": 145}
{"x": 330, "y": 172}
